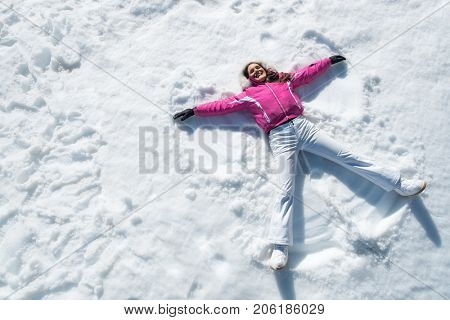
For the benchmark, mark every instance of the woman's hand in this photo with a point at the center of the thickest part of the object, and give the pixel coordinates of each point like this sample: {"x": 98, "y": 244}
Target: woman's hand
{"x": 336, "y": 59}
{"x": 187, "y": 113}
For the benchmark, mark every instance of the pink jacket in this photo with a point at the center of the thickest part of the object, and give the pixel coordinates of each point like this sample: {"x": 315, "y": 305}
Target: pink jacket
{"x": 271, "y": 103}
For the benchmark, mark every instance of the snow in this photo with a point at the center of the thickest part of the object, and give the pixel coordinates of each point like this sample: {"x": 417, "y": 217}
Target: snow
{"x": 84, "y": 215}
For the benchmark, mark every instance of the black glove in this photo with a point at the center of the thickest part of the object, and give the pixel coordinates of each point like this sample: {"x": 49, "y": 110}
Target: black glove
{"x": 184, "y": 114}
{"x": 336, "y": 59}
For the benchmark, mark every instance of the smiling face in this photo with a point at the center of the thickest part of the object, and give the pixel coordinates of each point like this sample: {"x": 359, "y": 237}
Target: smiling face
{"x": 256, "y": 72}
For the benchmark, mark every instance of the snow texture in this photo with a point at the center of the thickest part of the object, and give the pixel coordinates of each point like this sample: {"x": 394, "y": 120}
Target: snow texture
{"x": 78, "y": 80}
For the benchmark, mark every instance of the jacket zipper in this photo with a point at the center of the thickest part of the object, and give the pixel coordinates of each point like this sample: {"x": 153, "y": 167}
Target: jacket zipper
{"x": 279, "y": 103}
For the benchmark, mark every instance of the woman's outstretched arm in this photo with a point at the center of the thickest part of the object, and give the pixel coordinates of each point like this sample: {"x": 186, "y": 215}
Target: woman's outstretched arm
{"x": 222, "y": 106}
{"x": 216, "y": 108}
{"x": 309, "y": 73}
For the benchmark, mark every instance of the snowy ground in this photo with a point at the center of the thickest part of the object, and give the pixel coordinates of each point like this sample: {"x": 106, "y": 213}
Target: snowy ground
{"x": 78, "y": 80}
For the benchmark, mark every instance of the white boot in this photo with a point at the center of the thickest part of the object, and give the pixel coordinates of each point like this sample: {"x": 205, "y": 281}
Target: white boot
{"x": 279, "y": 257}
{"x": 410, "y": 187}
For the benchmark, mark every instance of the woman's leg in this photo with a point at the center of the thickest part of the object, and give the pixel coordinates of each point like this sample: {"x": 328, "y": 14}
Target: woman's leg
{"x": 284, "y": 144}
{"x": 316, "y": 141}
{"x": 280, "y": 231}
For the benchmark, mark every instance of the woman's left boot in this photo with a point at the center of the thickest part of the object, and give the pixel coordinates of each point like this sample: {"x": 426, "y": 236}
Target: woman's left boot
{"x": 410, "y": 187}
{"x": 279, "y": 257}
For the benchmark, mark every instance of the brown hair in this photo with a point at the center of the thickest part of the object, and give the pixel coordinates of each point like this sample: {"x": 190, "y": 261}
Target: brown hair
{"x": 272, "y": 74}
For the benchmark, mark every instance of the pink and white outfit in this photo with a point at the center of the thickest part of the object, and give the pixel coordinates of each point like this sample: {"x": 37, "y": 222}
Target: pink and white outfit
{"x": 278, "y": 110}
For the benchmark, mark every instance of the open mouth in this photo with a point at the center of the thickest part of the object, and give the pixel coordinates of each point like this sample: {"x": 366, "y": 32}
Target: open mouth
{"x": 257, "y": 74}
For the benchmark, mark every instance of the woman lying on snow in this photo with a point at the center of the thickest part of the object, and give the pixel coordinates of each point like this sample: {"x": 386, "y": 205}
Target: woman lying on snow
{"x": 277, "y": 109}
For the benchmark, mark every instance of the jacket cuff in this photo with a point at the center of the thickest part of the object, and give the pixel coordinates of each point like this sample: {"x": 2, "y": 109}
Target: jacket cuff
{"x": 196, "y": 111}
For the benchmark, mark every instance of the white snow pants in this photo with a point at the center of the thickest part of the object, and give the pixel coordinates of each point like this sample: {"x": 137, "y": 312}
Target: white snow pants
{"x": 286, "y": 141}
